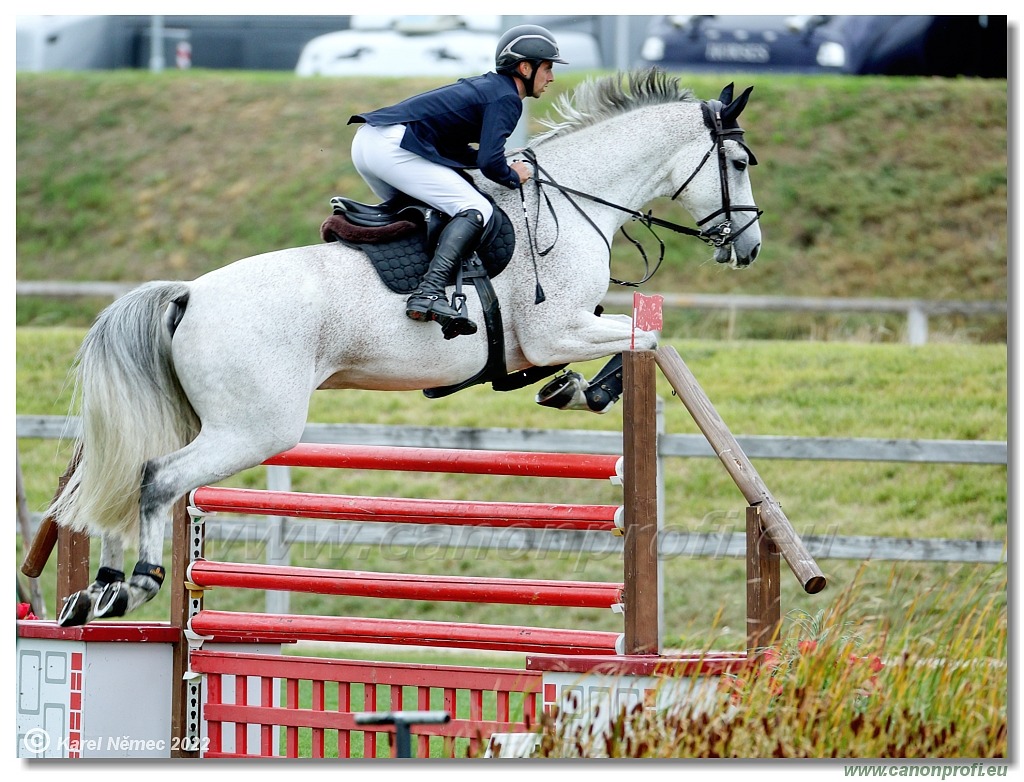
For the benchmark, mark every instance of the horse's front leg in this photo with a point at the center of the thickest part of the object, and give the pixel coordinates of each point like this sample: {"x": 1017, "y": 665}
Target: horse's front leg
{"x": 570, "y": 390}
{"x": 82, "y": 607}
{"x": 583, "y": 337}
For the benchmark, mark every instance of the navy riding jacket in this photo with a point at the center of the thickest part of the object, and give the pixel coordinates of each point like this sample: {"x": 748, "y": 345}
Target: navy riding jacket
{"x": 442, "y": 124}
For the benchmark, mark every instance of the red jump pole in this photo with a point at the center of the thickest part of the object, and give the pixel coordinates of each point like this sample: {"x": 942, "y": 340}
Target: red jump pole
{"x": 401, "y": 510}
{"x": 401, "y": 458}
{"x": 541, "y": 640}
{"x": 322, "y": 581}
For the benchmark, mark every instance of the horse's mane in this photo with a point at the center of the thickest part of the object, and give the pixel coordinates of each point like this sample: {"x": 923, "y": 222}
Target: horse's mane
{"x": 596, "y": 100}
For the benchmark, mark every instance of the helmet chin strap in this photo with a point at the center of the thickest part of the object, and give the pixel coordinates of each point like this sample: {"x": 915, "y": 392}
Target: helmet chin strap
{"x": 527, "y": 82}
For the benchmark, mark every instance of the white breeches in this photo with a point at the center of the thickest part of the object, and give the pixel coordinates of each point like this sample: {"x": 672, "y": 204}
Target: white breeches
{"x": 388, "y": 169}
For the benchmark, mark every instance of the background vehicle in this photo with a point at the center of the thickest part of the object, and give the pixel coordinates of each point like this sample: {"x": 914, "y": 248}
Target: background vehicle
{"x": 60, "y": 42}
{"x": 252, "y": 42}
{"x": 425, "y": 46}
{"x": 885, "y": 45}
{"x": 99, "y": 42}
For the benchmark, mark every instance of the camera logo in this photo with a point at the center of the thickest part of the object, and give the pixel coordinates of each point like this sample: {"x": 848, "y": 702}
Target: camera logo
{"x": 36, "y": 741}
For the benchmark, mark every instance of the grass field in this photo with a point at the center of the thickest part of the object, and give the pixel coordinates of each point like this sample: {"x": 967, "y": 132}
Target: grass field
{"x": 811, "y": 389}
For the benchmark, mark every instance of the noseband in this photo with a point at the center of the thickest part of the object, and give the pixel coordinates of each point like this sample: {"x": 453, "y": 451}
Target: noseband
{"x": 722, "y": 233}
{"x": 719, "y": 235}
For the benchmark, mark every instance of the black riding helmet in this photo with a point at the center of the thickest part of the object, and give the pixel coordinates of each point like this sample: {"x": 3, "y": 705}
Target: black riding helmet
{"x": 526, "y": 42}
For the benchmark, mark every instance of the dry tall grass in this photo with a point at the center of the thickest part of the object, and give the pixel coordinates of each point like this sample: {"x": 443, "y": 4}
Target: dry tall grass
{"x": 839, "y": 685}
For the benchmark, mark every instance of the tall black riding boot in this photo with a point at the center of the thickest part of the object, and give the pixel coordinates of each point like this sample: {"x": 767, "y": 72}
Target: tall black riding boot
{"x": 458, "y": 239}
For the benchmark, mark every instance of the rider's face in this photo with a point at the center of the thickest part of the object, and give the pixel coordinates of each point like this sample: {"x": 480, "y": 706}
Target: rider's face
{"x": 543, "y": 78}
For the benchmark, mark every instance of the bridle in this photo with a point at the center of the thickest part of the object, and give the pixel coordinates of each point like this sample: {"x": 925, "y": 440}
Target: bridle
{"x": 721, "y": 234}
{"x": 717, "y": 236}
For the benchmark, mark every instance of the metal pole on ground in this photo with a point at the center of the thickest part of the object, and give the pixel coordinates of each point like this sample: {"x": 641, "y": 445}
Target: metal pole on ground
{"x": 402, "y": 720}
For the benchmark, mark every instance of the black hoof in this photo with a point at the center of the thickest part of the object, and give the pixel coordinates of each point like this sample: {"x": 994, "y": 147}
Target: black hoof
{"x": 113, "y": 601}
{"x": 75, "y": 611}
{"x": 562, "y": 391}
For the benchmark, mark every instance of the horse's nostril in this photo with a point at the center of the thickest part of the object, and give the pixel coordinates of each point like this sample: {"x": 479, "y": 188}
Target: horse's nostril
{"x": 754, "y": 252}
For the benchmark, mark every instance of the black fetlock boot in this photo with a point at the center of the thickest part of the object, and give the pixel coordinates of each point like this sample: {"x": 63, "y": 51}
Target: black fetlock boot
{"x": 457, "y": 241}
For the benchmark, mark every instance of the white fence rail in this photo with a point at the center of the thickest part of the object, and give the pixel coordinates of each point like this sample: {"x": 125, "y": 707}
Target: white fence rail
{"x": 916, "y": 311}
{"x": 280, "y": 533}
{"x": 50, "y": 427}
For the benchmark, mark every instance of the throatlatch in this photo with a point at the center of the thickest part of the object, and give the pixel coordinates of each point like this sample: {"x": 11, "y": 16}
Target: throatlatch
{"x": 569, "y": 391}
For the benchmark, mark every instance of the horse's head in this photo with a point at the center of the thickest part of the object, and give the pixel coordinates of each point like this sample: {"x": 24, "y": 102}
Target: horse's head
{"x": 717, "y": 193}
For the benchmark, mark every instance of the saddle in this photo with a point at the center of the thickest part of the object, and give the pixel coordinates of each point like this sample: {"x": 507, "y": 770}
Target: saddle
{"x": 399, "y": 236}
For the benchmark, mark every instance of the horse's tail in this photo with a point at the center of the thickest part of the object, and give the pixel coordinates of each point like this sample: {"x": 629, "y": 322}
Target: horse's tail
{"x": 132, "y": 408}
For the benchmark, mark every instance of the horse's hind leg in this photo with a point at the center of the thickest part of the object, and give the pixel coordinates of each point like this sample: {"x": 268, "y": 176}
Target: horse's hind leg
{"x": 211, "y": 457}
{"x": 119, "y": 596}
{"x": 80, "y": 608}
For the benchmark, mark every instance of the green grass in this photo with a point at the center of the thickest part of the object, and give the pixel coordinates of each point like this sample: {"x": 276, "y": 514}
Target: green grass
{"x": 940, "y": 391}
{"x": 874, "y": 187}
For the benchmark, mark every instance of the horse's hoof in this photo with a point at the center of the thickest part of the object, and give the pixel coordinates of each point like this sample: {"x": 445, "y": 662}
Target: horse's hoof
{"x": 113, "y": 601}
{"x": 76, "y": 610}
{"x": 565, "y": 392}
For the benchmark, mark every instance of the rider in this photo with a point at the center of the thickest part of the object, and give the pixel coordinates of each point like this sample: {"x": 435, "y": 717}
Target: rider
{"x": 422, "y": 145}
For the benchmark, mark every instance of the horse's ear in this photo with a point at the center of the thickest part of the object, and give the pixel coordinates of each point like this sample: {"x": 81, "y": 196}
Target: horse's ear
{"x": 726, "y": 96}
{"x": 734, "y": 107}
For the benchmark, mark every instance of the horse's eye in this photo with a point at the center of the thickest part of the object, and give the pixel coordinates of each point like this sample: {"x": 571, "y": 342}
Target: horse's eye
{"x": 740, "y": 165}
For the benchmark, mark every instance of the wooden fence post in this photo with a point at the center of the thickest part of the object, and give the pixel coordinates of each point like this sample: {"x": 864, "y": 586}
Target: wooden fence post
{"x": 764, "y": 600}
{"x": 640, "y": 490}
{"x": 185, "y": 703}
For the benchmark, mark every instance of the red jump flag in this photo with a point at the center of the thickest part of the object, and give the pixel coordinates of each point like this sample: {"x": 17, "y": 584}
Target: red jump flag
{"x": 646, "y": 314}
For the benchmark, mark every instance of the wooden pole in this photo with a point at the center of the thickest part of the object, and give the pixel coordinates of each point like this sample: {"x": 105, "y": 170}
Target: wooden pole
{"x": 41, "y": 547}
{"x": 72, "y": 563}
{"x": 46, "y": 536}
{"x": 185, "y": 703}
{"x": 764, "y": 601}
{"x": 773, "y": 520}
{"x": 640, "y": 497}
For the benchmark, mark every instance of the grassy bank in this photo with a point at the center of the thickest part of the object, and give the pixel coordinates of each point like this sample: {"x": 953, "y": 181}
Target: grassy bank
{"x": 871, "y": 187}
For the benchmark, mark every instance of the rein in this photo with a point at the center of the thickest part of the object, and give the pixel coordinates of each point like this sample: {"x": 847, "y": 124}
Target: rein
{"x": 716, "y": 236}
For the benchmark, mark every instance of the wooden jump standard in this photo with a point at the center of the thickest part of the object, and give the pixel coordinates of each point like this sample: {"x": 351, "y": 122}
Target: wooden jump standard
{"x": 769, "y": 532}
